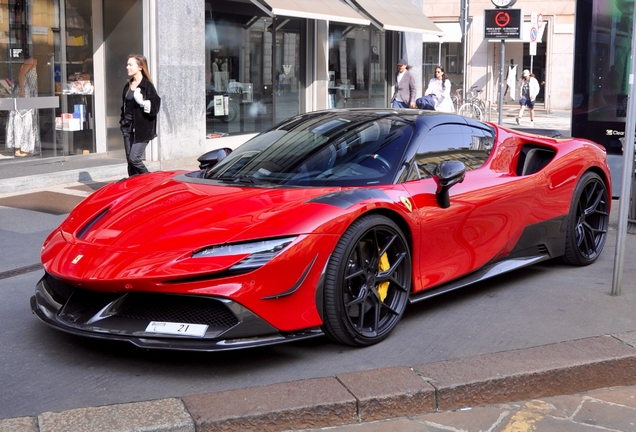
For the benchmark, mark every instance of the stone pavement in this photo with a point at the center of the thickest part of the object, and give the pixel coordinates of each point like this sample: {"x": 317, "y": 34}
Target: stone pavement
{"x": 475, "y": 393}
{"x": 544, "y": 123}
{"x": 611, "y": 409}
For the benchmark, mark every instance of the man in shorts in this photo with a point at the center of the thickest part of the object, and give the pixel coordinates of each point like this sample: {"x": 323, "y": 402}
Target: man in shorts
{"x": 528, "y": 91}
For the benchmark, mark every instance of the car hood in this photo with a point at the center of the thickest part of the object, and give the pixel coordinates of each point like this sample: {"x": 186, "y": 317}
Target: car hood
{"x": 159, "y": 213}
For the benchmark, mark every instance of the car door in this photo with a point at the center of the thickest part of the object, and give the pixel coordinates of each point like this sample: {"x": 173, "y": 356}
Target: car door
{"x": 487, "y": 212}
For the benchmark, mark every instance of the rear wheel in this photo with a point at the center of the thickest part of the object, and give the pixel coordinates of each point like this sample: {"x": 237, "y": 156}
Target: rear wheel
{"x": 470, "y": 110}
{"x": 367, "y": 282}
{"x": 588, "y": 221}
{"x": 455, "y": 101}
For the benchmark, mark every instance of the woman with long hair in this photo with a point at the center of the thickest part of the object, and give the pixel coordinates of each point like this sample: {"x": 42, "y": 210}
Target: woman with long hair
{"x": 140, "y": 106}
{"x": 437, "y": 95}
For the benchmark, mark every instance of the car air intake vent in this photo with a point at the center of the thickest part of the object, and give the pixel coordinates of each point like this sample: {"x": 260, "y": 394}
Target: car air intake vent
{"x": 543, "y": 249}
{"x": 533, "y": 159}
{"x": 89, "y": 225}
{"x": 171, "y": 308}
{"x": 60, "y": 290}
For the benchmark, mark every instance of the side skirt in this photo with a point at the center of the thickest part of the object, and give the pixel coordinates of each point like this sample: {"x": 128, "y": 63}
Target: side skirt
{"x": 539, "y": 242}
{"x": 486, "y": 272}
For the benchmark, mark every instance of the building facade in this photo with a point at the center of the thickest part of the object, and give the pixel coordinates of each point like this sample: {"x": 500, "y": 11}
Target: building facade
{"x": 551, "y": 60}
{"x": 227, "y": 69}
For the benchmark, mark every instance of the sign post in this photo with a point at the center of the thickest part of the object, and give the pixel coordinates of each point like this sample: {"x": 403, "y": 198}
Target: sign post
{"x": 502, "y": 23}
{"x": 537, "y": 26}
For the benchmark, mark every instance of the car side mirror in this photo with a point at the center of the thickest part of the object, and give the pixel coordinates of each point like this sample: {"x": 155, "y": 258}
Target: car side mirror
{"x": 447, "y": 174}
{"x": 213, "y": 157}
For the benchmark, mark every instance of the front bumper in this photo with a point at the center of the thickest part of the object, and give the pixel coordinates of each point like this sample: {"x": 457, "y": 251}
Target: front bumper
{"x": 126, "y": 316}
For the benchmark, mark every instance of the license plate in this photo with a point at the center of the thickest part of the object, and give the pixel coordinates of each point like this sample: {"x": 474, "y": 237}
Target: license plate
{"x": 173, "y": 328}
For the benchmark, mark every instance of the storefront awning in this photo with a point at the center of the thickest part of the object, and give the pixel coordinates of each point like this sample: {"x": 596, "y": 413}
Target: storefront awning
{"x": 330, "y": 10}
{"x": 399, "y": 15}
{"x": 452, "y": 33}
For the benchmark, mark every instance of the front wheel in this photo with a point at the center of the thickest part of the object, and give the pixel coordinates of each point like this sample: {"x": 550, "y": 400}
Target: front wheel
{"x": 367, "y": 282}
{"x": 588, "y": 221}
{"x": 470, "y": 110}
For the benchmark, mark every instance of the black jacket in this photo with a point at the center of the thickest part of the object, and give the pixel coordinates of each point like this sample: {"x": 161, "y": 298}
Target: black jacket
{"x": 144, "y": 124}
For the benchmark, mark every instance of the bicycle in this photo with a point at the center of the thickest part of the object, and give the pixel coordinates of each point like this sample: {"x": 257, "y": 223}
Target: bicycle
{"x": 457, "y": 100}
{"x": 473, "y": 107}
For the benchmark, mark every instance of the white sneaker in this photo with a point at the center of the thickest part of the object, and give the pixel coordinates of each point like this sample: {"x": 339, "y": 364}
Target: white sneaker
{"x": 531, "y": 123}
{"x": 517, "y": 120}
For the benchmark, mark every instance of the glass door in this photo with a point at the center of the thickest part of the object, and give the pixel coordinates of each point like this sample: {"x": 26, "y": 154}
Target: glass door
{"x": 45, "y": 79}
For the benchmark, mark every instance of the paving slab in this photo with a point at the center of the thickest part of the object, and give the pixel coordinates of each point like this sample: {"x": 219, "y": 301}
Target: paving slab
{"x": 610, "y": 416}
{"x": 19, "y": 424}
{"x": 166, "y": 415}
{"x": 628, "y": 337}
{"x": 621, "y": 396}
{"x": 389, "y": 393}
{"x": 473, "y": 419}
{"x": 311, "y": 403}
{"x": 562, "y": 368}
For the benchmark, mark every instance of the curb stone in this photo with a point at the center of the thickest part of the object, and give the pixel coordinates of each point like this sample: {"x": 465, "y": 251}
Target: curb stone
{"x": 358, "y": 397}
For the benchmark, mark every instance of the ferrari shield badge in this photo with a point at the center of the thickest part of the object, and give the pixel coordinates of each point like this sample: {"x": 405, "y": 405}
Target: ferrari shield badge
{"x": 407, "y": 203}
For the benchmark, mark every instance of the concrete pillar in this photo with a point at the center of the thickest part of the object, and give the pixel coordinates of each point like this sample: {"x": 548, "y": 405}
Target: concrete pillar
{"x": 413, "y": 55}
{"x": 180, "y": 80}
{"x": 413, "y": 52}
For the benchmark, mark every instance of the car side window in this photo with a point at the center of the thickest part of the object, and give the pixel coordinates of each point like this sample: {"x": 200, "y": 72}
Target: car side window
{"x": 468, "y": 144}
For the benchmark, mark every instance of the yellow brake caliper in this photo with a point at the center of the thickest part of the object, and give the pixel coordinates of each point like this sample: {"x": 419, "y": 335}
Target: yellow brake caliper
{"x": 383, "y": 265}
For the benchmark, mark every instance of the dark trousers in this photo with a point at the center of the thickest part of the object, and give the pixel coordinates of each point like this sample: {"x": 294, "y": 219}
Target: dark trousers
{"x": 134, "y": 153}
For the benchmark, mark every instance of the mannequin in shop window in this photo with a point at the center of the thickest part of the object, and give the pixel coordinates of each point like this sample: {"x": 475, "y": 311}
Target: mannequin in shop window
{"x": 23, "y": 130}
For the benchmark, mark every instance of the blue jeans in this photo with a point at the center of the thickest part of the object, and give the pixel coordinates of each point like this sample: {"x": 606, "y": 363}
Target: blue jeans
{"x": 426, "y": 103}
{"x": 134, "y": 154}
{"x": 398, "y": 104}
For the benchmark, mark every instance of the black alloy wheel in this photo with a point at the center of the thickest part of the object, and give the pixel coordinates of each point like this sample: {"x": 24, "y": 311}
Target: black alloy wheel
{"x": 367, "y": 282}
{"x": 588, "y": 221}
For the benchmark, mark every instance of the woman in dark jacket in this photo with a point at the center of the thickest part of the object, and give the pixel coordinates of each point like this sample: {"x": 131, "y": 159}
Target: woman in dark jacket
{"x": 139, "y": 110}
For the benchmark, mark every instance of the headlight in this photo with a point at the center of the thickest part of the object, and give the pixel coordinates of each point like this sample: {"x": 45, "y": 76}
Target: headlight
{"x": 258, "y": 252}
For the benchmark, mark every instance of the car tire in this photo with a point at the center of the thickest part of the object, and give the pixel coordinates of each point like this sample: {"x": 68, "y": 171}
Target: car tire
{"x": 588, "y": 221}
{"x": 367, "y": 282}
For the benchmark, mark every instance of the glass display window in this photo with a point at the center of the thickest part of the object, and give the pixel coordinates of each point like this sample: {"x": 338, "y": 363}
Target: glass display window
{"x": 45, "y": 79}
{"x": 357, "y": 72}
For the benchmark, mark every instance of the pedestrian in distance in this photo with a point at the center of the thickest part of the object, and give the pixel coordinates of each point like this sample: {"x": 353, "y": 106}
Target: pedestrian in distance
{"x": 437, "y": 95}
{"x": 280, "y": 82}
{"x": 528, "y": 92}
{"x": 405, "y": 91}
{"x": 140, "y": 106}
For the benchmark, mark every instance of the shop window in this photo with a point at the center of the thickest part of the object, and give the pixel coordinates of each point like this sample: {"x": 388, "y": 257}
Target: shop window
{"x": 449, "y": 56}
{"x": 46, "y": 79}
{"x": 250, "y": 83}
{"x": 357, "y": 76}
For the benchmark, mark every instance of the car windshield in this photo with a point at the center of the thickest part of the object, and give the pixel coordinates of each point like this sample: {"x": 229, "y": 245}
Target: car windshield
{"x": 329, "y": 149}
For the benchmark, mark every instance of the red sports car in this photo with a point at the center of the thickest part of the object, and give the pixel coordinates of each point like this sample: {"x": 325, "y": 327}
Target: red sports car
{"x": 329, "y": 223}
